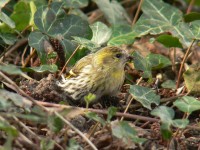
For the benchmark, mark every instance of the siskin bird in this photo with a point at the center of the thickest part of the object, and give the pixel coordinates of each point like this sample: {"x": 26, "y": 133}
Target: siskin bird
{"x": 101, "y": 73}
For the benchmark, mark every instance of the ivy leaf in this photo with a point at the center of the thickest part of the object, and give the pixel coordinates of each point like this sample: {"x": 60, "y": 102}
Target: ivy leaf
{"x": 36, "y": 39}
{"x": 55, "y": 123}
{"x": 194, "y": 27}
{"x": 111, "y": 112}
{"x": 76, "y": 3}
{"x": 11, "y": 69}
{"x": 142, "y": 64}
{"x": 113, "y": 11}
{"x": 125, "y": 132}
{"x": 187, "y": 104}
{"x": 122, "y": 34}
{"x": 144, "y": 95}
{"x": 191, "y": 17}
{"x": 101, "y": 33}
{"x": 180, "y": 123}
{"x": 52, "y": 21}
{"x": 10, "y": 100}
{"x": 9, "y": 39}
{"x": 92, "y": 46}
{"x": 56, "y": 23}
{"x": 158, "y": 61}
{"x": 23, "y": 11}
{"x": 166, "y": 114}
{"x": 73, "y": 145}
{"x": 160, "y": 17}
{"x": 95, "y": 117}
{"x": 7, "y": 20}
{"x": 169, "y": 84}
{"x": 42, "y": 68}
{"x": 169, "y": 41}
{"x": 192, "y": 79}
{"x": 47, "y": 144}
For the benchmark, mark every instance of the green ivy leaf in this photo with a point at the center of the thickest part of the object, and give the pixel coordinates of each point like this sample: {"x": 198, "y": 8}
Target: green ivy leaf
{"x": 36, "y": 39}
{"x": 53, "y": 22}
{"x": 23, "y": 11}
{"x": 78, "y": 12}
{"x": 55, "y": 123}
{"x": 7, "y": 20}
{"x": 192, "y": 17}
{"x": 122, "y": 34}
{"x": 76, "y": 3}
{"x": 125, "y": 132}
{"x": 194, "y": 27}
{"x": 73, "y": 145}
{"x": 9, "y": 129}
{"x": 169, "y": 41}
{"x": 180, "y": 123}
{"x": 111, "y": 112}
{"x": 101, "y": 33}
{"x": 144, "y": 95}
{"x": 169, "y": 84}
{"x": 11, "y": 69}
{"x": 42, "y": 68}
{"x": 192, "y": 79}
{"x": 158, "y": 61}
{"x": 10, "y": 99}
{"x": 166, "y": 114}
{"x": 94, "y": 116}
{"x": 113, "y": 11}
{"x": 92, "y": 46}
{"x": 47, "y": 144}
{"x": 9, "y": 39}
{"x": 166, "y": 131}
{"x": 160, "y": 17}
{"x": 142, "y": 64}
{"x": 187, "y": 104}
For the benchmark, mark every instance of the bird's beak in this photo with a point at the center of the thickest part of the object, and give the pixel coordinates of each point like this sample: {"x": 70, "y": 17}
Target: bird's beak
{"x": 129, "y": 58}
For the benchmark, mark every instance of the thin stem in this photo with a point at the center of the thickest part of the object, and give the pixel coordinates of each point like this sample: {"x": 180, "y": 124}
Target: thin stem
{"x": 29, "y": 58}
{"x": 190, "y": 6}
{"x": 182, "y": 64}
{"x": 125, "y": 111}
{"x": 137, "y": 12}
{"x": 20, "y": 91}
{"x": 76, "y": 130}
{"x": 104, "y": 112}
{"x": 13, "y": 48}
{"x": 74, "y": 52}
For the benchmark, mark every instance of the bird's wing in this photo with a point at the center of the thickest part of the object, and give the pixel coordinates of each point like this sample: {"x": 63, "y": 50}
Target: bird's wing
{"x": 87, "y": 60}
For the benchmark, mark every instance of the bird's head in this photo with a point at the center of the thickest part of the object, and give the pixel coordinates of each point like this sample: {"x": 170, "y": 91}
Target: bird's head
{"x": 112, "y": 57}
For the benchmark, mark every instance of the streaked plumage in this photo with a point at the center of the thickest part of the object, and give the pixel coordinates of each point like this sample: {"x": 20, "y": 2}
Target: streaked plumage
{"x": 101, "y": 73}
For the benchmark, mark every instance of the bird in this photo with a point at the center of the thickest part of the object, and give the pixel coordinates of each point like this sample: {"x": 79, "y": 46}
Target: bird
{"x": 101, "y": 73}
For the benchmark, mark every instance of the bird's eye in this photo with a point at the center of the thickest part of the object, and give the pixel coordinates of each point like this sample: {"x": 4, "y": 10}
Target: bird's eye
{"x": 118, "y": 55}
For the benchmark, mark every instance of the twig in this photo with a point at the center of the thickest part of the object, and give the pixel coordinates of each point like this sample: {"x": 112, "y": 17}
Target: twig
{"x": 182, "y": 64}
{"x": 125, "y": 111}
{"x": 105, "y": 112}
{"x": 23, "y": 55}
{"x": 26, "y": 128}
{"x": 17, "y": 89}
{"x": 190, "y": 6}
{"x": 13, "y": 48}
{"x": 76, "y": 130}
{"x": 21, "y": 136}
{"x": 29, "y": 58}
{"x": 69, "y": 60}
{"x": 137, "y": 12}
